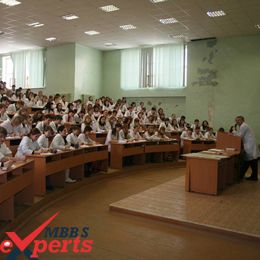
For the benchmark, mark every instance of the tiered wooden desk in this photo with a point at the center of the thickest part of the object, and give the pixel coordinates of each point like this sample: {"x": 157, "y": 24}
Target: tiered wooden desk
{"x": 13, "y": 143}
{"x": 16, "y": 186}
{"x": 122, "y": 150}
{"x": 197, "y": 145}
{"x": 160, "y": 148}
{"x": 211, "y": 171}
{"x": 98, "y": 137}
{"x": 138, "y": 151}
{"x": 55, "y": 165}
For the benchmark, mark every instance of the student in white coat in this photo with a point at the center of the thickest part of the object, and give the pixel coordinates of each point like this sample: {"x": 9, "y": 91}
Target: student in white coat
{"x": 5, "y": 152}
{"x": 251, "y": 152}
{"x": 84, "y": 138}
{"x": 29, "y": 144}
{"x": 13, "y": 126}
{"x": 58, "y": 143}
{"x": 43, "y": 140}
{"x": 72, "y": 138}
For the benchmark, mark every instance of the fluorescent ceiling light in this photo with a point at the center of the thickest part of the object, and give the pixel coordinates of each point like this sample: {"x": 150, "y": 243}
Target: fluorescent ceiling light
{"x": 35, "y": 24}
{"x": 127, "y": 27}
{"x": 109, "y": 44}
{"x": 10, "y": 2}
{"x": 257, "y": 26}
{"x": 69, "y": 17}
{"x": 179, "y": 36}
{"x": 92, "y": 33}
{"x": 168, "y": 20}
{"x": 216, "y": 13}
{"x": 109, "y": 8}
{"x": 157, "y": 1}
{"x": 51, "y": 39}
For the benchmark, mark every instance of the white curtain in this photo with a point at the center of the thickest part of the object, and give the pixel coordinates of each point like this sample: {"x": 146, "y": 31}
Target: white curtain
{"x": 19, "y": 66}
{"x": 28, "y": 68}
{"x": 35, "y": 65}
{"x": 168, "y": 66}
{"x": 130, "y": 68}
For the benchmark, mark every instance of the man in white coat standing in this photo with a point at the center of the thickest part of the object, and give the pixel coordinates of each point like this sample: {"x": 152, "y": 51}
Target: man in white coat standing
{"x": 251, "y": 152}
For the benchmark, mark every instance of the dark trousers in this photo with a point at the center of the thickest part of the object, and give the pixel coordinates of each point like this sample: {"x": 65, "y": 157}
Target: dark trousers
{"x": 254, "y": 166}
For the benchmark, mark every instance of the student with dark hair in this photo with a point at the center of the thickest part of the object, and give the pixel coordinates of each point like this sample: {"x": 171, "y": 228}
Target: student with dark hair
{"x": 58, "y": 143}
{"x": 29, "y": 144}
{"x": 5, "y": 152}
{"x": 72, "y": 138}
{"x": 43, "y": 140}
{"x": 84, "y": 137}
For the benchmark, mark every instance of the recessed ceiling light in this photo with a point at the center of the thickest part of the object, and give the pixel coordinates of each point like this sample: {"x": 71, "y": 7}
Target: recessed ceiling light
{"x": 257, "y": 26}
{"x": 92, "y": 33}
{"x": 109, "y": 8}
{"x": 35, "y": 24}
{"x": 168, "y": 20}
{"x": 216, "y": 13}
{"x": 69, "y": 17}
{"x": 127, "y": 27}
{"x": 157, "y": 1}
{"x": 51, "y": 39}
{"x": 179, "y": 36}
{"x": 10, "y": 2}
{"x": 109, "y": 44}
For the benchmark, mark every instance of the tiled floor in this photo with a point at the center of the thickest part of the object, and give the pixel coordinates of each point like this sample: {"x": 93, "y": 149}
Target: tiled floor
{"x": 236, "y": 209}
{"x": 123, "y": 236}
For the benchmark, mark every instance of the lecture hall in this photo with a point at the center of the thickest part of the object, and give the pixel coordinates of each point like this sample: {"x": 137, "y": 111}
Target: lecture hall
{"x": 129, "y": 129}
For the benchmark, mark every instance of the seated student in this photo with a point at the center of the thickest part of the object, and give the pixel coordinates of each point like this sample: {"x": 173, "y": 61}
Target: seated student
{"x": 49, "y": 108}
{"x": 134, "y": 133}
{"x": 13, "y": 126}
{"x": 204, "y": 126}
{"x": 72, "y": 138}
{"x": 64, "y": 102}
{"x": 124, "y": 134}
{"x": 232, "y": 129}
{"x": 84, "y": 137}
{"x": 209, "y": 134}
{"x": 56, "y": 123}
{"x": 13, "y": 108}
{"x": 113, "y": 135}
{"x": 26, "y": 126}
{"x": 3, "y": 114}
{"x": 167, "y": 125}
{"x": 58, "y": 143}
{"x": 45, "y": 121}
{"x": 186, "y": 134}
{"x": 162, "y": 133}
{"x": 69, "y": 118}
{"x": 151, "y": 134}
{"x": 29, "y": 144}
{"x": 43, "y": 140}
{"x": 175, "y": 126}
{"x": 42, "y": 101}
{"x": 197, "y": 135}
{"x": 88, "y": 122}
{"x": 102, "y": 125}
{"x": 5, "y": 152}
{"x": 59, "y": 109}
{"x": 195, "y": 124}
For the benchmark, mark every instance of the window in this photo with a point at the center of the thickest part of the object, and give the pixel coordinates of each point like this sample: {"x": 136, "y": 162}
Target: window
{"x": 162, "y": 66}
{"x": 28, "y": 68}
{"x": 7, "y": 71}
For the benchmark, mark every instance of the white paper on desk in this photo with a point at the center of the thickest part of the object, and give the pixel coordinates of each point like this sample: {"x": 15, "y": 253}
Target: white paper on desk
{"x": 47, "y": 153}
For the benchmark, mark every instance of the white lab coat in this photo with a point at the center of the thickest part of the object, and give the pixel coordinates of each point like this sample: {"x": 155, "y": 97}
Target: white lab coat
{"x": 4, "y": 151}
{"x": 43, "y": 141}
{"x": 251, "y": 150}
{"x": 72, "y": 139}
{"x": 58, "y": 142}
{"x": 26, "y": 147}
{"x": 83, "y": 139}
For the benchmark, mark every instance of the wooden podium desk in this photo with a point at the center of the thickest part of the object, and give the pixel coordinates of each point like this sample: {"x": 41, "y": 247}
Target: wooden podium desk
{"x": 12, "y": 143}
{"x": 209, "y": 173}
{"x": 190, "y": 145}
{"x": 16, "y": 186}
{"x": 121, "y": 150}
{"x": 55, "y": 165}
{"x": 159, "y": 148}
{"x": 98, "y": 137}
